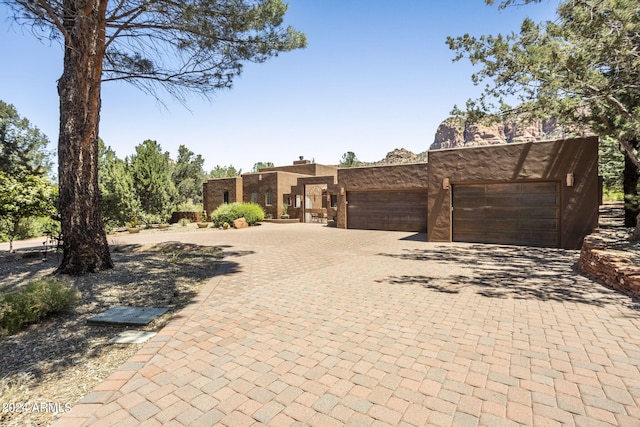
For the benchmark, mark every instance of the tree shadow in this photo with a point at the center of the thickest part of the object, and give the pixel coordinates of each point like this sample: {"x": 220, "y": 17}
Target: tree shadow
{"x": 167, "y": 275}
{"x": 509, "y": 272}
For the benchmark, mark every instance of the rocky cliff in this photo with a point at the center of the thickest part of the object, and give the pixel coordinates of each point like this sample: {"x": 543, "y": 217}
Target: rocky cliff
{"x": 402, "y": 155}
{"x": 399, "y": 156}
{"x": 455, "y": 132}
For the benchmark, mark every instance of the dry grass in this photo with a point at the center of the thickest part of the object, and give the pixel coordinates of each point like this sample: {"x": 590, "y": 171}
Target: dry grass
{"x": 60, "y": 359}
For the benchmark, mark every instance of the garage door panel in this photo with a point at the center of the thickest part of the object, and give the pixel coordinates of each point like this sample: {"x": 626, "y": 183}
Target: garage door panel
{"x": 542, "y": 187}
{"x": 512, "y": 213}
{"x": 387, "y": 210}
{"x": 539, "y": 225}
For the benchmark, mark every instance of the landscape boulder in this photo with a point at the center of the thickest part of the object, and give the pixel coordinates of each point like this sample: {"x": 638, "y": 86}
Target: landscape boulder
{"x": 240, "y": 223}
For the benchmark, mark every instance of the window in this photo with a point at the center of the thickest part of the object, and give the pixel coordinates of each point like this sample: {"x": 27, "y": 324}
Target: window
{"x": 334, "y": 201}
{"x": 226, "y": 197}
{"x": 254, "y": 196}
{"x": 298, "y": 202}
{"x": 268, "y": 198}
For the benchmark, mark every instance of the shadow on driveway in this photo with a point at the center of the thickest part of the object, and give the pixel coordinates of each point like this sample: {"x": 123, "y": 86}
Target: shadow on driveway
{"x": 510, "y": 272}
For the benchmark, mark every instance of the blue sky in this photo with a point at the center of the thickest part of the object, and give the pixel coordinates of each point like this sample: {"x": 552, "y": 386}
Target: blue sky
{"x": 376, "y": 75}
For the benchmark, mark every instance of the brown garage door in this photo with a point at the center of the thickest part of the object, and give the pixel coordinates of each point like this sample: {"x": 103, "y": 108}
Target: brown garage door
{"x": 513, "y": 214}
{"x": 387, "y": 210}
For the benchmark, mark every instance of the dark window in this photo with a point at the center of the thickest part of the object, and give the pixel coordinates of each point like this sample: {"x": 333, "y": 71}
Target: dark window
{"x": 226, "y": 197}
{"x": 254, "y": 196}
{"x": 268, "y": 198}
{"x": 334, "y": 201}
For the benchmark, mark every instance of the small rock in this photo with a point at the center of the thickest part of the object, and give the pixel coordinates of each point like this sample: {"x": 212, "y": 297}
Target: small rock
{"x": 240, "y": 223}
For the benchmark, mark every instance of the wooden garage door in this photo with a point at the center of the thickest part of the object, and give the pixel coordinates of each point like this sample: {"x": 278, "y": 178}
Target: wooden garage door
{"x": 387, "y": 210}
{"x": 514, "y": 213}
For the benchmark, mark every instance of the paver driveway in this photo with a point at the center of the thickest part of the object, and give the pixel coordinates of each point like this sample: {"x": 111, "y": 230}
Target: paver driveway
{"x": 309, "y": 325}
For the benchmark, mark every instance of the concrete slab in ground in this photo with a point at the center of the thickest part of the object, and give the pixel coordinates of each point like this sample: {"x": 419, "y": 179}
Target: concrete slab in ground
{"x": 132, "y": 337}
{"x": 124, "y": 315}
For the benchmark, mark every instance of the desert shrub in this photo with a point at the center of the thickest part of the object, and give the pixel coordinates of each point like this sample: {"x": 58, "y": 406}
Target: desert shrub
{"x": 16, "y": 387}
{"x": 188, "y": 207}
{"x": 38, "y": 299}
{"x": 251, "y": 212}
{"x": 225, "y": 213}
{"x": 149, "y": 219}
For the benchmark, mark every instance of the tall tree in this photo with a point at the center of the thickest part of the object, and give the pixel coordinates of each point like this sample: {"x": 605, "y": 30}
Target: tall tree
{"x": 151, "y": 172}
{"x": 120, "y": 203}
{"x": 261, "y": 165}
{"x": 188, "y": 175}
{"x": 224, "y": 172}
{"x": 179, "y": 46}
{"x": 22, "y": 196}
{"x": 583, "y": 67}
{"x": 23, "y": 148}
{"x": 610, "y": 164}
{"x": 349, "y": 160}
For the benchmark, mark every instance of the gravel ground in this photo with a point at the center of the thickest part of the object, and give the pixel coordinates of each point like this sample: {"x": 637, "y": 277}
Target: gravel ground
{"x": 49, "y": 366}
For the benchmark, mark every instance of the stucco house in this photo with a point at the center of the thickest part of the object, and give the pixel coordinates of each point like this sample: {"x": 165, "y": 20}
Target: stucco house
{"x": 303, "y": 187}
{"x": 538, "y": 194}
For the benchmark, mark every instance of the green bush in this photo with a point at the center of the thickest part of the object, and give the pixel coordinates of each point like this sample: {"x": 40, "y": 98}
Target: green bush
{"x": 251, "y": 212}
{"x": 40, "y": 298}
{"x": 33, "y": 227}
{"x": 188, "y": 207}
{"x": 225, "y": 213}
{"x": 148, "y": 219}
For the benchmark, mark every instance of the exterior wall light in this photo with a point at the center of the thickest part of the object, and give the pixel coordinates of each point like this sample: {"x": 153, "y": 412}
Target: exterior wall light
{"x": 570, "y": 180}
{"x": 445, "y": 184}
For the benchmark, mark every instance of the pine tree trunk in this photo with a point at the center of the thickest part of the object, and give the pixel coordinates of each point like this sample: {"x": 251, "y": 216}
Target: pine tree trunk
{"x": 630, "y": 188}
{"x": 85, "y": 243}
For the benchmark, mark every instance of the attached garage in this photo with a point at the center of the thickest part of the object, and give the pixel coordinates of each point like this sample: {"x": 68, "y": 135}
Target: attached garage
{"x": 387, "y": 210}
{"x": 519, "y": 213}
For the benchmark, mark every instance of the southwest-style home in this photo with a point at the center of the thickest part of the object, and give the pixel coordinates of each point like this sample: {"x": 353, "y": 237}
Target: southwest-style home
{"x": 537, "y": 194}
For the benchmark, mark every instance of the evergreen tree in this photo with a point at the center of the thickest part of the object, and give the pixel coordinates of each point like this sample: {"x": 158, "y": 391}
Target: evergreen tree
{"x": 151, "y": 173}
{"x": 120, "y": 202}
{"x": 349, "y": 160}
{"x": 261, "y": 165}
{"x": 23, "y": 148}
{"x": 179, "y": 46}
{"x": 224, "y": 172}
{"x": 23, "y": 196}
{"x": 188, "y": 175}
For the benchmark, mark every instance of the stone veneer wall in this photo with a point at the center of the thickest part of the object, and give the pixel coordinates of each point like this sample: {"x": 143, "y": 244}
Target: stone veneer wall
{"x": 612, "y": 267}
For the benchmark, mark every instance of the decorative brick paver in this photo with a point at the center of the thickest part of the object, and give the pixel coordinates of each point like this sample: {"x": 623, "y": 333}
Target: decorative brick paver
{"x": 310, "y": 325}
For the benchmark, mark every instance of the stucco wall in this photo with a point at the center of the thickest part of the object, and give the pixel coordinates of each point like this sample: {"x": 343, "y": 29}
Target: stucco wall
{"x": 378, "y": 178}
{"x": 392, "y": 177}
{"x": 213, "y": 192}
{"x": 279, "y": 183}
{"x": 540, "y": 161}
{"x": 312, "y": 169}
